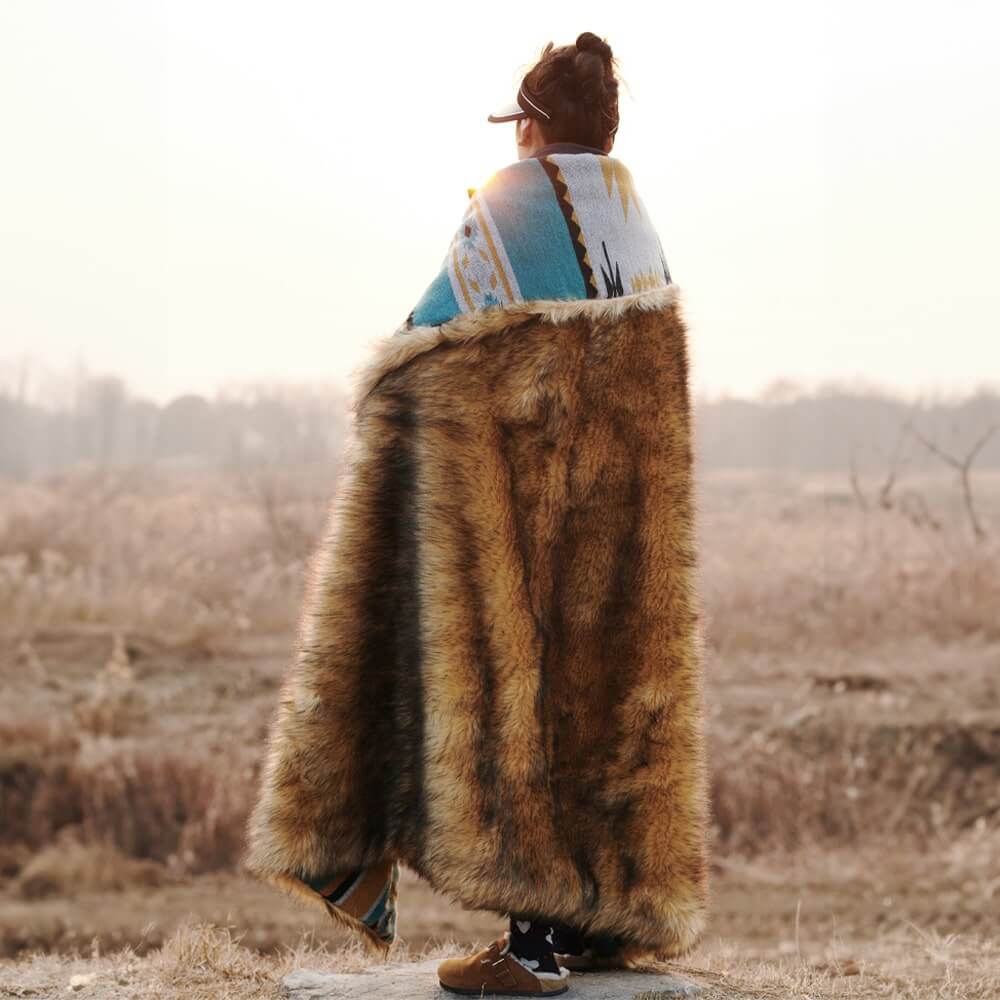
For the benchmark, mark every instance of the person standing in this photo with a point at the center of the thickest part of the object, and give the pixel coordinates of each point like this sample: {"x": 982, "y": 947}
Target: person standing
{"x": 498, "y": 673}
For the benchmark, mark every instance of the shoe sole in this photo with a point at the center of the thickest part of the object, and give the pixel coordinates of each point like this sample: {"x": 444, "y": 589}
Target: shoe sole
{"x": 502, "y": 993}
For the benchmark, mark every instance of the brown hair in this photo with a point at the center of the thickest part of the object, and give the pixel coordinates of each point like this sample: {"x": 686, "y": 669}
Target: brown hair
{"x": 576, "y": 84}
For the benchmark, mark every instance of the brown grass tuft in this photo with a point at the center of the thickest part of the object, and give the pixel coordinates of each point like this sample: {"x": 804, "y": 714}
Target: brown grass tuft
{"x": 70, "y": 868}
{"x": 837, "y": 784}
{"x": 173, "y": 807}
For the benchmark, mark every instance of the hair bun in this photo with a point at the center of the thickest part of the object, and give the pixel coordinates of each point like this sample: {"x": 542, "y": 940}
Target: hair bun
{"x": 577, "y": 85}
{"x": 589, "y": 42}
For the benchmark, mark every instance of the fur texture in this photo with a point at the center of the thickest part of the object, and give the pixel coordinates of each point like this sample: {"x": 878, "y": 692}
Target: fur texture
{"x": 498, "y": 674}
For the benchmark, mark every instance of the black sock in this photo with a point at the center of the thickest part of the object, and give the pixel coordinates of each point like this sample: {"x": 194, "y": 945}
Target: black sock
{"x": 567, "y": 940}
{"x": 531, "y": 942}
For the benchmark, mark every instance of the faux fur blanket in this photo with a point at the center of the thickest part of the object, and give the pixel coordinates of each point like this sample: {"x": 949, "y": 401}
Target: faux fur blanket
{"x": 497, "y": 678}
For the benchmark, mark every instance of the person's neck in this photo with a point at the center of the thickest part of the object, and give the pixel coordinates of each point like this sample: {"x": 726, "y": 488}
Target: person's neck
{"x": 566, "y": 147}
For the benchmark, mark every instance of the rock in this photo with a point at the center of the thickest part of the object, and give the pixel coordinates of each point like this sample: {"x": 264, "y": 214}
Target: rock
{"x": 418, "y": 980}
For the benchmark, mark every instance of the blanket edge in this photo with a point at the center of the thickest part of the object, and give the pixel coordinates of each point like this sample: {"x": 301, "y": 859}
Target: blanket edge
{"x": 391, "y": 351}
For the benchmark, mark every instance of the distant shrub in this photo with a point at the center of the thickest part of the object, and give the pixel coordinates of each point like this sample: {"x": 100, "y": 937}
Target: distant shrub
{"x": 178, "y": 808}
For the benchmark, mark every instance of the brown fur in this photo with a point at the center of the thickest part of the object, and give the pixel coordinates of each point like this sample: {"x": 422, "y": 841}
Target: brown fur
{"x": 498, "y": 672}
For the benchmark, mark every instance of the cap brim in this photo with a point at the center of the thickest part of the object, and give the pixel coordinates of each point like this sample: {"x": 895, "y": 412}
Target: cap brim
{"x": 508, "y": 113}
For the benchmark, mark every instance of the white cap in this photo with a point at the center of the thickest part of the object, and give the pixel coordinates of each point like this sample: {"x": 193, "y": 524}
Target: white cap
{"x": 523, "y": 107}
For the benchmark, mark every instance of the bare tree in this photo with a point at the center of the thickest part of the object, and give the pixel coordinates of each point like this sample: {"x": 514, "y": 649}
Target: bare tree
{"x": 962, "y": 465}
{"x": 895, "y": 465}
{"x": 855, "y": 478}
{"x": 908, "y": 502}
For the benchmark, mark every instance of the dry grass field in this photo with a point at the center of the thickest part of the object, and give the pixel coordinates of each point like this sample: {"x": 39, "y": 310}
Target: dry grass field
{"x": 853, "y": 695}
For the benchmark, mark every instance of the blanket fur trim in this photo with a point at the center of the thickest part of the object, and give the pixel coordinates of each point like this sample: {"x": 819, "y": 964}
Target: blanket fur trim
{"x": 405, "y": 343}
{"x": 497, "y": 678}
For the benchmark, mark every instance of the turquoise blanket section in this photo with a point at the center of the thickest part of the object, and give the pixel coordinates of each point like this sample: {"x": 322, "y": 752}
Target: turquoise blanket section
{"x": 521, "y": 239}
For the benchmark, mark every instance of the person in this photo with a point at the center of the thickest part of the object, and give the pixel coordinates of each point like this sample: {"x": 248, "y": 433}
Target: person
{"x": 498, "y": 672}
{"x": 567, "y": 103}
{"x": 566, "y": 118}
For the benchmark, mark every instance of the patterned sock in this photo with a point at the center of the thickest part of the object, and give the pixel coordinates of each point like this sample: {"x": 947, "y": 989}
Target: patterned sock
{"x": 530, "y": 942}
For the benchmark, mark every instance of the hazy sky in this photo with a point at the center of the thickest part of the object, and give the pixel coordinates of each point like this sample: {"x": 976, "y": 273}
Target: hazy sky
{"x": 199, "y": 192}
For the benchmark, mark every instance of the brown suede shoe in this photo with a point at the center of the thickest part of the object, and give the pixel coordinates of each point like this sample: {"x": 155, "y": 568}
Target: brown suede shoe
{"x": 494, "y": 970}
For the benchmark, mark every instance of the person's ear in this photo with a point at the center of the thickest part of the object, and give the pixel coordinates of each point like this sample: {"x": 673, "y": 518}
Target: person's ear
{"x": 528, "y": 137}
{"x": 609, "y": 143}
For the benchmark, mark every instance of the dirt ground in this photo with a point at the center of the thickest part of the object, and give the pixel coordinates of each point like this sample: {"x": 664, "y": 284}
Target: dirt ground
{"x": 822, "y": 927}
{"x": 853, "y": 898}
{"x": 822, "y": 905}
{"x": 853, "y": 706}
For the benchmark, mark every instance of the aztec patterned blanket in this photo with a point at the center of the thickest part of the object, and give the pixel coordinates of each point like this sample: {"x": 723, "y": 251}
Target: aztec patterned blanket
{"x": 562, "y": 226}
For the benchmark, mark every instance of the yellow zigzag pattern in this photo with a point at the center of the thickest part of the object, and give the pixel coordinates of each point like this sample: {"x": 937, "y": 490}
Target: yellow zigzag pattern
{"x": 615, "y": 170}
{"x": 645, "y": 280}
